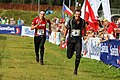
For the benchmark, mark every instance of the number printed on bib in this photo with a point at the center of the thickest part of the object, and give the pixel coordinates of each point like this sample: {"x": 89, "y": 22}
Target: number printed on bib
{"x": 40, "y": 31}
{"x": 75, "y": 32}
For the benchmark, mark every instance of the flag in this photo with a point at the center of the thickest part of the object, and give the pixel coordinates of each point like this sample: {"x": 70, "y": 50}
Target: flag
{"x": 67, "y": 10}
{"x": 106, "y": 9}
{"x": 62, "y": 19}
{"x": 89, "y": 15}
{"x": 95, "y": 4}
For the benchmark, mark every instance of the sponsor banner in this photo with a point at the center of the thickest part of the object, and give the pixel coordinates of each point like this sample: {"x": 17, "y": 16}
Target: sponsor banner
{"x": 85, "y": 49}
{"x": 110, "y": 52}
{"x": 91, "y": 48}
{"x": 47, "y": 34}
{"x": 10, "y": 29}
{"x": 18, "y": 30}
{"x": 94, "y": 48}
{"x": 104, "y": 53}
{"x": 52, "y": 37}
{"x": 7, "y": 29}
{"x": 57, "y": 38}
{"x": 26, "y": 31}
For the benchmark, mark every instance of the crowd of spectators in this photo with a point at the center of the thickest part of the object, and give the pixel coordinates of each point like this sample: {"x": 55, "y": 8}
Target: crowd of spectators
{"x": 106, "y": 30}
{"x": 11, "y": 21}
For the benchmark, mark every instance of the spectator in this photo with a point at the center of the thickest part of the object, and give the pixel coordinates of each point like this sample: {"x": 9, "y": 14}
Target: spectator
{"x": 58, "y": 36}
{"x": 118, "y": 22}
{"x": 12, "y": 21}
{"x": 109, "y": 28}
{"x": 48, "y": 11}
{"x": 6, "y": 20}
{"x": 19, "y": 22}
{"x": 3, "y": 20}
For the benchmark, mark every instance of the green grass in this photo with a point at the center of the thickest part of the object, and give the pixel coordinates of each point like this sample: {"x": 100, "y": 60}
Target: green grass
{"x": 18, "y": 63}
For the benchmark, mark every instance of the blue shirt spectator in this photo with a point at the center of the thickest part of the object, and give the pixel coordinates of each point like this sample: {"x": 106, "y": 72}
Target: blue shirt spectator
{"x": 19, "y": 22}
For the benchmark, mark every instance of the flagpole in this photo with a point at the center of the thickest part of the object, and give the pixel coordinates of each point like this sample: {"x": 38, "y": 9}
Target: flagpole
{"x": 69, "y": 6}
{"x": 69, "y": 3}
{"x": 84, "y": 8}
{"x": 75, "y": 4}
{"x": 62, "y": 9}
{"x": 38, "y": 6}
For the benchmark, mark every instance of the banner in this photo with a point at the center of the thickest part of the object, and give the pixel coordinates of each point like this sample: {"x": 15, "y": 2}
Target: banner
{"x": 110, "y": 52}
{"x": 10, "y": 29}
{"x": 91, "y": 48}
{"x": 85, "y": 49}
{"x": 47, "y": 34}
{"x": 26, "y": 31}
{"x": 18, "y": 30}
{"x": 94, "y": 48}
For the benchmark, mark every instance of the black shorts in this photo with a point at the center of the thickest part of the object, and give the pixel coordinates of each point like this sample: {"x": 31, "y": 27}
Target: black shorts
{"x": 74, "y": 45}
{"x": 39, "y": 42}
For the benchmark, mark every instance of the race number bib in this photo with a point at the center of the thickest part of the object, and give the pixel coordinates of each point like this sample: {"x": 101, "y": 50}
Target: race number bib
{"x": 75, "y": 32}
{"x": 40, "y": 31}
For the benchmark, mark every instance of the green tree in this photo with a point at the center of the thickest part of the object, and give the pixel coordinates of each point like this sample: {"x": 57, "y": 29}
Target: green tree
{"x": 22, "y": 1}
{"x": 28, "y": 1}
{"x": 5, "y": 1}
{"x": 44, "y": 1}
{"x": 115, "y": 4}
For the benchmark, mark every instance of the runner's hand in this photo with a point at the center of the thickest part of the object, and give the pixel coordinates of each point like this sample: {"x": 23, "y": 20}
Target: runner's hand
{"x": 63, "y": 39}
{"x": 36, "y": 25}
{"x": 49, "y": 32}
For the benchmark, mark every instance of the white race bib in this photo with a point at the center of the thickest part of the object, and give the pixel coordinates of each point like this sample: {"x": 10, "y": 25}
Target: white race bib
{"x": 75, "y": 32}
{"x": 40, "y": 31}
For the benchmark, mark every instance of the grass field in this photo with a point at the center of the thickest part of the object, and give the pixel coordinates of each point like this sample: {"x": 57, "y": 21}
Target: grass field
{"x": 17, "y": 62}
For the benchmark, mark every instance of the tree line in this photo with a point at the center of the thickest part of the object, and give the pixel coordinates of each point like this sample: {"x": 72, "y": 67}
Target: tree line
{"x": 113, "y": 3}
{"x": 43, "y": 2}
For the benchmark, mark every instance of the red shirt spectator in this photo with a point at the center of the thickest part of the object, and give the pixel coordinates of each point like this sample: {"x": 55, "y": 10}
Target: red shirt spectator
{"x": 109, "y": 26}
{"x": 110, "y": 29}
{"x": 113, "y": 24}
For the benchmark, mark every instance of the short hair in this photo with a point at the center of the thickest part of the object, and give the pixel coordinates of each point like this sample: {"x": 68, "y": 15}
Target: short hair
{"x": 77, "y": 10}
{"x": 42, "y": 11}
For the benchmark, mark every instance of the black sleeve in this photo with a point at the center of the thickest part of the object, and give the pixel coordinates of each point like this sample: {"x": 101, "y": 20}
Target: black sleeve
{"x": 83, "y": 23}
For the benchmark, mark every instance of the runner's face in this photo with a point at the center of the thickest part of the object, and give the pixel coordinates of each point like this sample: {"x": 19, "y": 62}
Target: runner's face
{"x": 42, "y": 14}
{"x": 77, "y": 15}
